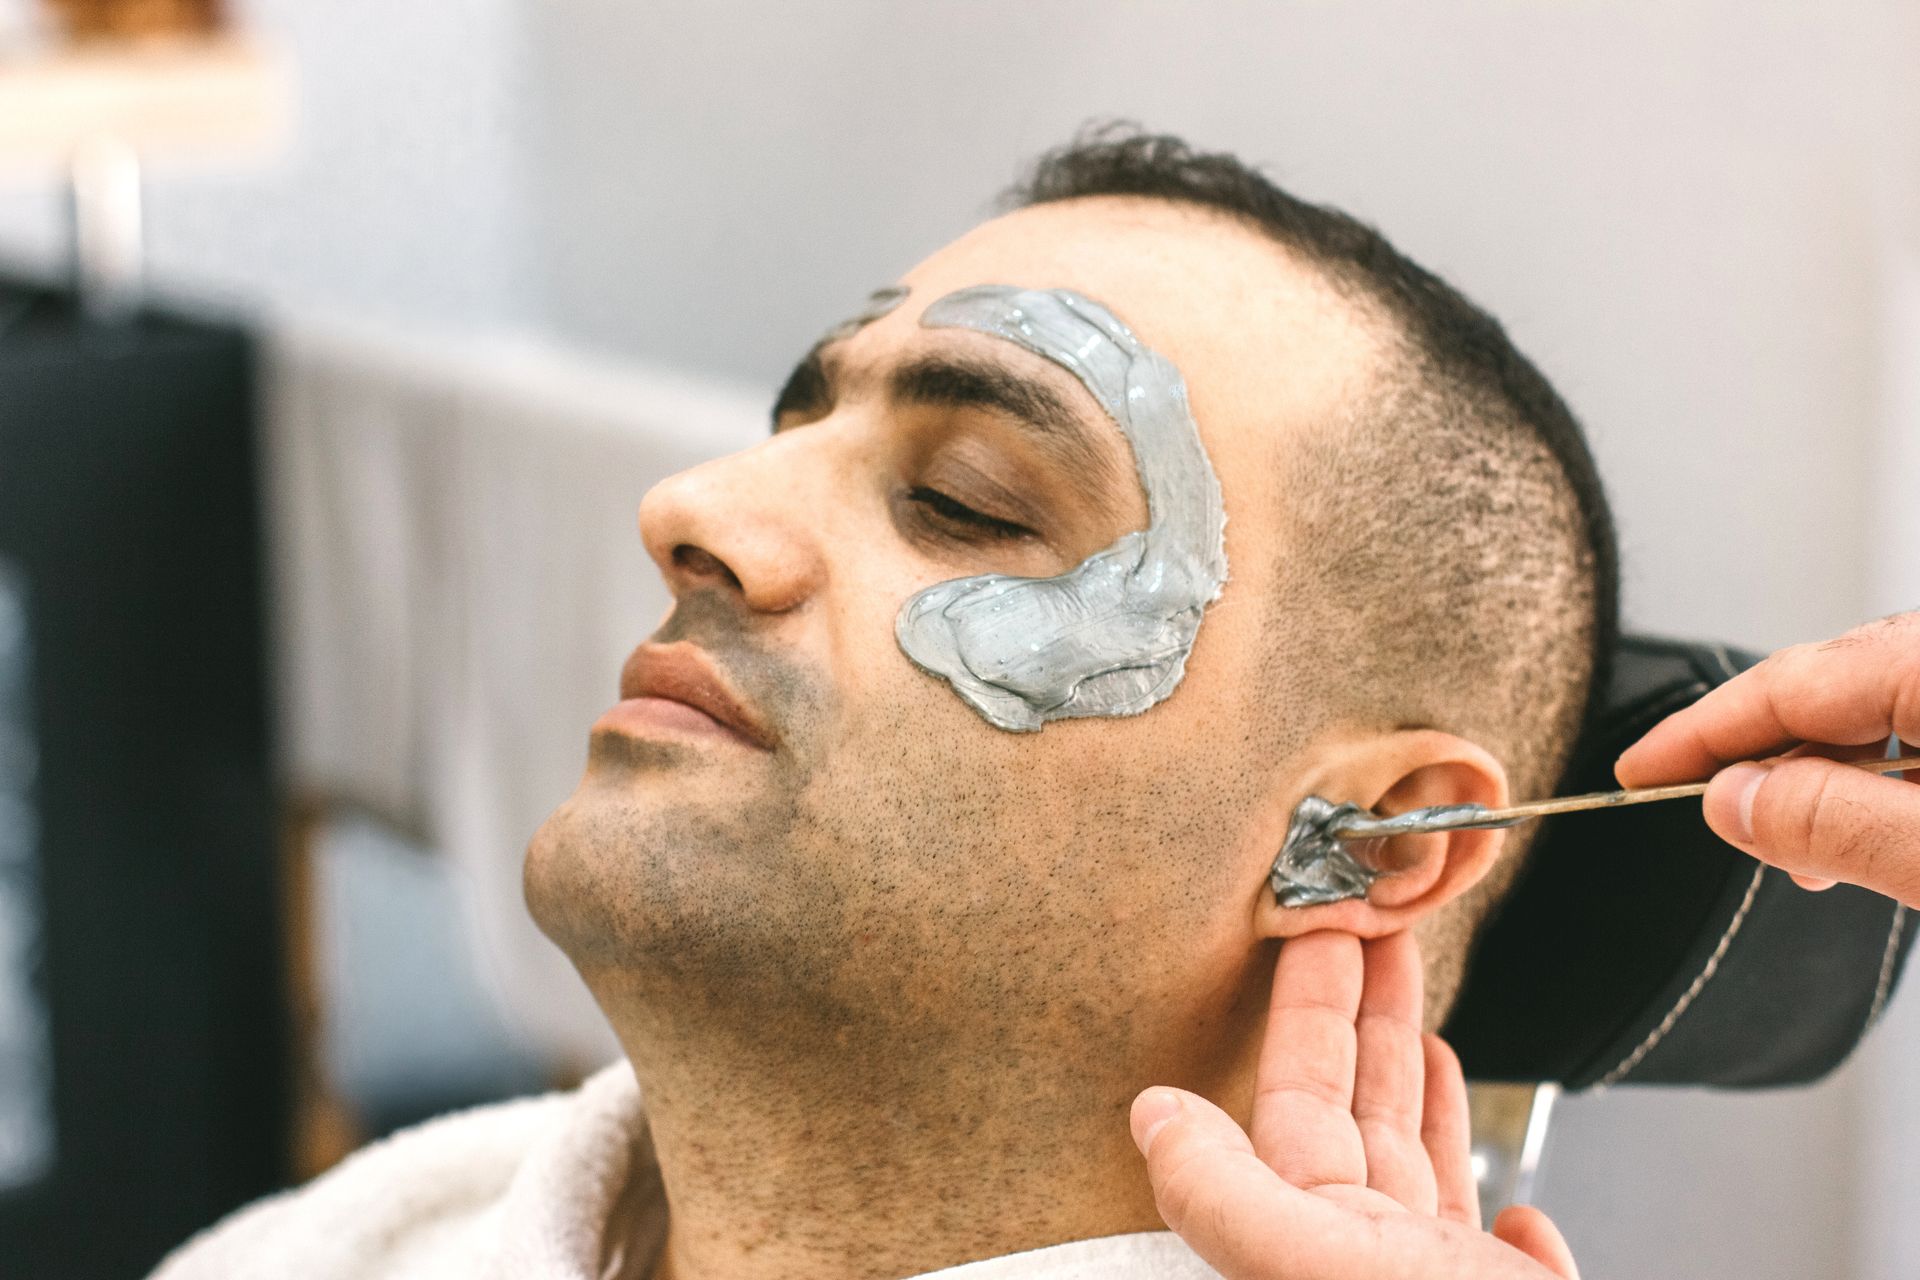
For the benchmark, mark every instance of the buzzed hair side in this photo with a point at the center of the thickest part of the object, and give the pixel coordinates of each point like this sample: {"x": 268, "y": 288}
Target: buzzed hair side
{"x": 1450, "y": 558}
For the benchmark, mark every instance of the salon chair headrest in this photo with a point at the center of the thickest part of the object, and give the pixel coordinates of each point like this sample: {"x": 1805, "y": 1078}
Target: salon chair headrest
{"x": 1639, "y": 948}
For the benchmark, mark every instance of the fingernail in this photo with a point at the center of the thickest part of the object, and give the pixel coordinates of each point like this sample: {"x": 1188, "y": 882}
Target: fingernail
{"x": 1151, "y": 1111}
{"x": 1745, "y": 780}
{"x": 1621, "y": 759}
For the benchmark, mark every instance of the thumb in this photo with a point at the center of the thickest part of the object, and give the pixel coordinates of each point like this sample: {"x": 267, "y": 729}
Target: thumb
{"x": 1533, "y": 1233}
{"x": 1209, "y": 1185}
{"x": 1816, "y": 817}
{"x": 1250, "y": 1224}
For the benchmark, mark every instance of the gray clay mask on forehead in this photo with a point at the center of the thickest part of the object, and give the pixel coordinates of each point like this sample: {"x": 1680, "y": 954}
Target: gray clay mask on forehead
{"x": 878, "y": 304}
{"x": 1110, "y": 636}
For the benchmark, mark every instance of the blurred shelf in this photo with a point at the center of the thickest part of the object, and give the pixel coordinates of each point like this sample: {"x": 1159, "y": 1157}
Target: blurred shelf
{"x": 203, "y": 100}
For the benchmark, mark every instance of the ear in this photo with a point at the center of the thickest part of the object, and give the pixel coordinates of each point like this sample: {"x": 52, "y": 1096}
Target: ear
{"x": 1408, "y": 769}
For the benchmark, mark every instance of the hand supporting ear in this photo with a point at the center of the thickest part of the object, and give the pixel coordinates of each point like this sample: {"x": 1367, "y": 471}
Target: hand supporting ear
{"x": 1357, "y": 1165}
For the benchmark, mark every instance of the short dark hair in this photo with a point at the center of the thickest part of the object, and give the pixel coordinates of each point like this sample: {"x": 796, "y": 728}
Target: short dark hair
{"x": 1460, "y": 553}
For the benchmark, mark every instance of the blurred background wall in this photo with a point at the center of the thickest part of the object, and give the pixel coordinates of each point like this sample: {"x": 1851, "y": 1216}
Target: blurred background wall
{"x": 1697, "y": 218}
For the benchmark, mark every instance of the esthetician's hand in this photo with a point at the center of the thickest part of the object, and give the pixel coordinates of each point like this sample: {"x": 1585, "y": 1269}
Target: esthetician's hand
{"x": 1821, "y": 821}
{"x": 1357, "y": 1166}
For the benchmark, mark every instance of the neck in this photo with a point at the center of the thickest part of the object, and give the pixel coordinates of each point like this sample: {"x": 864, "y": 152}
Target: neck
{"x": 857, "y": 1162}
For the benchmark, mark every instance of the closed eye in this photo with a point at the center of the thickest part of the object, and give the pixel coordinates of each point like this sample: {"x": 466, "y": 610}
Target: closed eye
{"x": 959, "y": 513}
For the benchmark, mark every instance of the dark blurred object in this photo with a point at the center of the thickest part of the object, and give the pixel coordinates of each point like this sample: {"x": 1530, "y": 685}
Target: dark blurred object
{"x": 129, "y": 510}
{"x": 133, "y": 19}
{"x": 1639, "y": 948}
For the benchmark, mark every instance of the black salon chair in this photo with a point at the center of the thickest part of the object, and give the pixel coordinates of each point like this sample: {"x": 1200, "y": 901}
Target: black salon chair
{"x": 1639, "y": 948}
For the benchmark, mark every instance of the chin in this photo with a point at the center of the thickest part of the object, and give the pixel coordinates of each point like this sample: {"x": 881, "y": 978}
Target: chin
{"x": 585, "y": 865}
{"x": 550, "y": 877}
{"x": 625, "y": 870}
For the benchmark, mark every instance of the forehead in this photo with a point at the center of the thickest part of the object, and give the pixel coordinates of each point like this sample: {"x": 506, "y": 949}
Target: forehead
{"x": 1268, "y": 349}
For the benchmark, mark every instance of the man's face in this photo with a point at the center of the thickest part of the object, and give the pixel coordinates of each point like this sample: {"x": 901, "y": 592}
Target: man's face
{"x": 871, "y": 860}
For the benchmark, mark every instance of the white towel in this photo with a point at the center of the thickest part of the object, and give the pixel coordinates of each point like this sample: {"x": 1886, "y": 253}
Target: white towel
{"x": 526, "y": 1190}
{"x": 458, "y": 579}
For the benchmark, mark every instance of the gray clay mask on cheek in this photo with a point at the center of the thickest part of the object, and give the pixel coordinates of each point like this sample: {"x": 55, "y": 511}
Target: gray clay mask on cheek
{"x": 1110, "y": 636}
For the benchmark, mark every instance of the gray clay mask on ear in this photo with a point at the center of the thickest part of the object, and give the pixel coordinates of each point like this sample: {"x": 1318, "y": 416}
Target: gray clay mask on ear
{"x": 1110, "y": 636}
{"x": 1315, "y": 866}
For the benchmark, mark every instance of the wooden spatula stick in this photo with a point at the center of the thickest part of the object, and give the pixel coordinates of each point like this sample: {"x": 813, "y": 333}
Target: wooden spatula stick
{"x": 1463, "y": 817}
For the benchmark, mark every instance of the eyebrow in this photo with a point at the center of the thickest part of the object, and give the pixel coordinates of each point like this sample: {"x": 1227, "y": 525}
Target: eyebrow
{"x": 942, "y": 380}
{"x": 807, "y": 387}
{"x": 951, "y": 381}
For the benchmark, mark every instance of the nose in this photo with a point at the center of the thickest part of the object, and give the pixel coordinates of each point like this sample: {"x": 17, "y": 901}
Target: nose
{"x": 736, "y": 524}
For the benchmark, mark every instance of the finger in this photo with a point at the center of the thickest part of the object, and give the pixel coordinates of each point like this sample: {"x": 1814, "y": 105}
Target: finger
{"x": 1389, "y": 1078}
{"x": 1874, "y": 750}
{"x": 1210, "y": 1187}
{"x": 1303, "y": 1088}
{"x": 1533, "y": 1233}
{"x": 1826, "y": 751}
{"x": 1817, "y": 818}
{"x": 1857, "y": 689}
{"x": 1820, "y": 884}
{"x": 1248, "y": 1224}
{"x": 1447, "y": 1132}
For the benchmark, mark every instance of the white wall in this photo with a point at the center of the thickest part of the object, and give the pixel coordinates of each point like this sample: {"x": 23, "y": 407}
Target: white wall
{"x": 399, "y": 192}
{"x": 1673, "y": 206}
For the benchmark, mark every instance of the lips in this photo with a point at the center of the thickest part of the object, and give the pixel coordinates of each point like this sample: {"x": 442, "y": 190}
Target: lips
{"x": 683, "y": 673}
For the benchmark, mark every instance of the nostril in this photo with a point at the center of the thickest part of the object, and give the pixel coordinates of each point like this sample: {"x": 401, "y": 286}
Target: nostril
{"x": 703, "y": 564}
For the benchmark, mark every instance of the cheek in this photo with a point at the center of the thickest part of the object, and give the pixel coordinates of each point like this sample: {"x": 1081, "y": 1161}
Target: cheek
{"x": 1082, "y": 827}
{"x": 873, "y": 573}
{"x": 1084, "y": 823}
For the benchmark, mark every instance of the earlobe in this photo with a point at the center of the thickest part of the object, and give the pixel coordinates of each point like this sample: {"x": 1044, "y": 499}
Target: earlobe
{"x": 1417, "y": 875}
